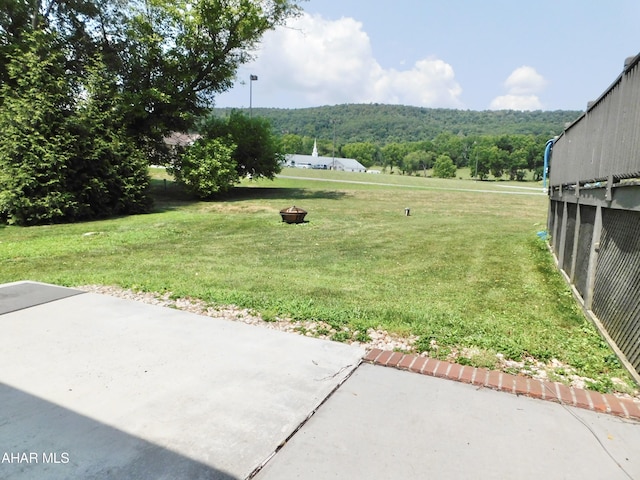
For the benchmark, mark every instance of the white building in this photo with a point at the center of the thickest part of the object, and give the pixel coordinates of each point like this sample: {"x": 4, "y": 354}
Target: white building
{"x": 324, "y": 163}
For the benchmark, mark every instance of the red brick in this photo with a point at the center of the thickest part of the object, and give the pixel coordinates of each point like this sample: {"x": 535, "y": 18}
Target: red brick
{"x": 481, "y": 376}
{"x": 566, "y": 394}
{"x": 430, "y": 366}
{"x": 549, "y": 390}
{"x": 466, "y": 375}
{"x": 418, "y": 365}
{"x": 406, "y": 361}
{"x": 384, "y": 357}
{"x": 615, "y": 406}
{"x": 394, "y": 359}
{"x": 633, "y": 409}
{"x": 372, "y": 355}
{"x": 597, "y": 399}
{"x": 454, "y": 371}
{"x": 441, "y": 370}
{"x": 495, "y": 379}
{"x": 522, "y": 387}
{"x": 582, "y": 399}
{"x": 508, "y": 383}
{"x": 535, "y": 388}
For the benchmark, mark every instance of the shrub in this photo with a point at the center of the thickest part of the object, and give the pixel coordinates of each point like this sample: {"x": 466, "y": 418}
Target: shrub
{"x": 444, "y": 167}
{"x": 207, "y": 167}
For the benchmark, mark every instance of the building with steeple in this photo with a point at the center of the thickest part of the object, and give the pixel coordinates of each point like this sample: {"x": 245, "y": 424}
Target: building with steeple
{"x": 324, "y": 163}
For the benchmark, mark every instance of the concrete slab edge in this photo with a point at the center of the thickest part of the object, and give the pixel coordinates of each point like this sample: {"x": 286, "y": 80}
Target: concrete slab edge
{"x": 37, "y": 283}
{"x": 308, "y": 417}
{"x": 25, "y": 294}
{"x": 505, "y": 382}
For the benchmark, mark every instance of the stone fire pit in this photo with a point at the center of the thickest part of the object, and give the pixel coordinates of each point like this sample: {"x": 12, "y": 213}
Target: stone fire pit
{"x": 293, "y": 215}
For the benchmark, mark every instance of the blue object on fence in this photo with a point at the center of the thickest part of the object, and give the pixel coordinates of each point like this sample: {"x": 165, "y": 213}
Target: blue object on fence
{"x": 547, "y": 152}
{"x": 542, "y": 235}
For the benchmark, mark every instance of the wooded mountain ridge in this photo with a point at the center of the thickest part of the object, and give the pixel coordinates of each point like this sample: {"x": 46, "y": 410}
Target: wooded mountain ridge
{"x": 382, "y": 124}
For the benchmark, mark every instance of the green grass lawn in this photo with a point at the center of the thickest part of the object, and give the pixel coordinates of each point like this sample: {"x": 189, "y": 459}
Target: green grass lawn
{"x": 465, "y": 270}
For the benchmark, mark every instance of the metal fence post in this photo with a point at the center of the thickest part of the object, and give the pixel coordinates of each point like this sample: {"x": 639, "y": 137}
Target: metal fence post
{"x": 593, "y": 259}
{"x": 563, "y": 234}
{"x": 574, "y": 247}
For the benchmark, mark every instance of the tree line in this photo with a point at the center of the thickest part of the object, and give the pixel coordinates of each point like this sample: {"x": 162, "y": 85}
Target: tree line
{"x": 510, "y": 155}
{"x": 503, "y": 143}
{"x": 383, "y": 124}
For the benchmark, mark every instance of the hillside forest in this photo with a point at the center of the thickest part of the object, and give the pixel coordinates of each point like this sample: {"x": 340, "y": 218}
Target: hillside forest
{"x": 499, "y": 144}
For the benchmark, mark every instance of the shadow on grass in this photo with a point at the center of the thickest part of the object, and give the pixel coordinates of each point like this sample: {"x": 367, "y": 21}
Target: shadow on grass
{"x": 277, "y": 193}
{"x": 168, "y": 195}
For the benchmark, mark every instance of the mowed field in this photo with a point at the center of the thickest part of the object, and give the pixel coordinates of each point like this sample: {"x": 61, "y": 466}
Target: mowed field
{"x": 466, "y": 272}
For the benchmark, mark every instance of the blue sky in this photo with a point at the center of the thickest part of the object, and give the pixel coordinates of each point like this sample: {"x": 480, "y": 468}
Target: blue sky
{"x": 467, "y": 54}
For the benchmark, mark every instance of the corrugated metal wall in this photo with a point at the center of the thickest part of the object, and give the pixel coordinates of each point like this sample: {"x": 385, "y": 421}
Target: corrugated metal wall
{"x": 594, "y": 214}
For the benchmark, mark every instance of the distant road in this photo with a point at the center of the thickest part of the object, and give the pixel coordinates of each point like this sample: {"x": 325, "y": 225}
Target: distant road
{"x": 528, "y": 190}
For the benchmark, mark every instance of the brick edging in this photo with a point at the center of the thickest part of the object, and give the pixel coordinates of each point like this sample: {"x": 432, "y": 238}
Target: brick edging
{"x": 505, "y": 382}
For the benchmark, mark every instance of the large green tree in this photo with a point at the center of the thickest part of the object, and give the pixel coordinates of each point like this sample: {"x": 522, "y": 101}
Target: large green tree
{"x": 452, "y": 146}
{"x": 175, "y": 55}
{"x": 292, "y": 143}
{"x": 111, "y": 173}
{"x": 36, "y": 146}
{"x": 490, "y": 159}
{"x": 73, "y": 146}
{"x": 366, "y": 153}
{"x": 63, "y": 158}
{"x": 229, "y": 149}
{"x": 171, "y": 57}
{"x": 418, "y": 160}
{"x": 257, "y": 152}
{"x": 393, "y": 155}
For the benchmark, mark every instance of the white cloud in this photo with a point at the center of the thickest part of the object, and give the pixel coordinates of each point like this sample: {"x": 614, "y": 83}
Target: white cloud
{"x": 431, "y": 82}
{"x": 525, "y": 80}
{"x": 332, "y": 62}
{"x": 523, "y": 86}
